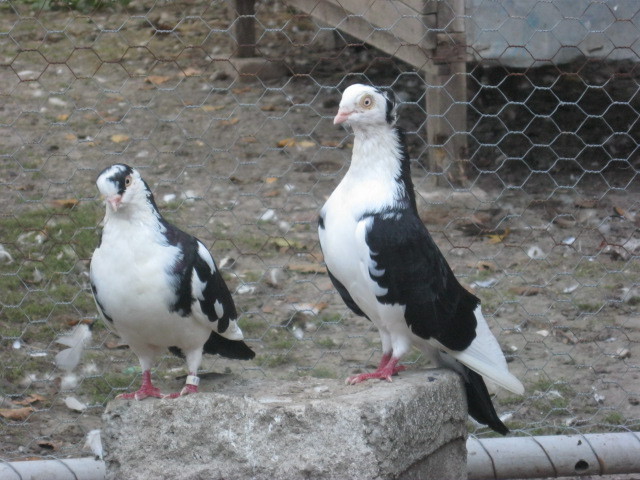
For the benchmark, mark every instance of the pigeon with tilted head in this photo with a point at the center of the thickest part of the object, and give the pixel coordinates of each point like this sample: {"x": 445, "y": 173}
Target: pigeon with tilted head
{"x": 386, "y": 267}
{"x": 158, "y": 287}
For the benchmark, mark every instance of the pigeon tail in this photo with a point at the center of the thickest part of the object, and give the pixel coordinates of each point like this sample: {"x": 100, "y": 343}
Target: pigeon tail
{"x": 234, "y": 349}
{"x": 479, "y": 402}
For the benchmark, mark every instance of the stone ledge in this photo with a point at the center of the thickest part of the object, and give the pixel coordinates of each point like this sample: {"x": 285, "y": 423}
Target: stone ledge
{"x": 412, "y": 428}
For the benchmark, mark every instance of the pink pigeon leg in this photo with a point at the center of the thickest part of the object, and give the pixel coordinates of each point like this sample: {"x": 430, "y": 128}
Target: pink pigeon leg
{"x": 386, "y": 369}
{"x": 191, "y": 386}
{"x": 146, "y": 389}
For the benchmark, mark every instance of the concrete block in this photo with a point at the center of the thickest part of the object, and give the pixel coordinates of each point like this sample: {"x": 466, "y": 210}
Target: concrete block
{"x": 413, "y": 428}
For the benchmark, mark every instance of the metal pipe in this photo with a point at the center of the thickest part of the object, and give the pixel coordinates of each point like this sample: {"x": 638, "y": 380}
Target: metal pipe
{"x": 490, "y": 458}
{"x": 63, "y": 469}
{"x": 553, "y": 456}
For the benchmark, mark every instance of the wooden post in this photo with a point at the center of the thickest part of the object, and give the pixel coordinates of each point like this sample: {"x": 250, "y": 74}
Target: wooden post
{"x": 446, "y": 97}
{"x": 244, "y": 28}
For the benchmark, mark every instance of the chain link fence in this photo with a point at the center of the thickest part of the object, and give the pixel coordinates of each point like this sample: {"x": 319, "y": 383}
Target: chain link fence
{"x": 522, "y": 121}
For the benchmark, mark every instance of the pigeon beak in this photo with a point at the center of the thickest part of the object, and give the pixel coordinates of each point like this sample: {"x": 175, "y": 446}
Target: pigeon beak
{"x": 114, "y": 202}
{"x": 342, "y": 116}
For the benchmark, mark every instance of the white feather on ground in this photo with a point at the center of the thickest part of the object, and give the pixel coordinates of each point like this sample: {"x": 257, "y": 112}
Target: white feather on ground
{"x": 69, "y": 358}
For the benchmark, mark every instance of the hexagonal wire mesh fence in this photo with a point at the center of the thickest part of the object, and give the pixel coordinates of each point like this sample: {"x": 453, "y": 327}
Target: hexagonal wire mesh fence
{"x": 527, "y": 179}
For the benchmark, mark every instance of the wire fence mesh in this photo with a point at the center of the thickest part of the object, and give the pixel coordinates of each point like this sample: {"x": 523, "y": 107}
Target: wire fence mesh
{"x": 537, "y": 212}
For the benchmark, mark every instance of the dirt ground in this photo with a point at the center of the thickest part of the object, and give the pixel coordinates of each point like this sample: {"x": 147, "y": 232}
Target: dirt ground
{"x": 545, "y": 231}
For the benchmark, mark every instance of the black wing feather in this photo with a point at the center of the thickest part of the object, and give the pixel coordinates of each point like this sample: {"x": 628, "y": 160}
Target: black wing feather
{"x": 346, "y": 298}
{"x": 189, "y": 263}
{"x": 215, "y": 290}
{"x": 416, "y": 274}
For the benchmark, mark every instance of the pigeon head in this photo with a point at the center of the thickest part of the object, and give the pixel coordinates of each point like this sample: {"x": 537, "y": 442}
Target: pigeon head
{"x": 122, "y": 185}
{"x": 365, "y": 106}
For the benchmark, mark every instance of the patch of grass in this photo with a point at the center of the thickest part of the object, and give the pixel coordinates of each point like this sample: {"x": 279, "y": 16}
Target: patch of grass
{"x": 331, "y": 318}
{"x": 101, "y": 389}
{"x": 50, "y": 249}
{"x": 279, "y": 339}
{"x": 323, "y": 372}
{"x": 327, "y": 343}
{"x": 555, "y": 397}
{"x": 509, "y": 401}
{"x": 80, "y": 5}
{"x": 272, "y": 360}
{"x": 252, "y": 328}
{"x": 589, "y": 307}
{"x": 16, "y": 369}
{"x": 614, "y": 418}
{"x": 251, "y": 276}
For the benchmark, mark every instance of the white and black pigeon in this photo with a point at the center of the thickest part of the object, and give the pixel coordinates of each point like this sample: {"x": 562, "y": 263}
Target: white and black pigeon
{"x": 386, "y": 267}
{"x": 158, "y": 287}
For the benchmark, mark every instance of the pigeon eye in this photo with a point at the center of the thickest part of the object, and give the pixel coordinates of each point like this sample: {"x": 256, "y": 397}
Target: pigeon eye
{"x": 127, "y": 181}
{"x": 366, "y": 102}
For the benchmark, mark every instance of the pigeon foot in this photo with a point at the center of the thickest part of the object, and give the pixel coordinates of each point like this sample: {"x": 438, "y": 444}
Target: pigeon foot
{"x": 146, "y": 389}
{"x": 387, "y": 368}
{"x": 190, "y": 387}
{"x": 186, "y": 390}
{"x": 143, "y": 393}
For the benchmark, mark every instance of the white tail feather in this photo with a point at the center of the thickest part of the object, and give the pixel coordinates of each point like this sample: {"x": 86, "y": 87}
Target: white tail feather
{"x": 485, "y": 356}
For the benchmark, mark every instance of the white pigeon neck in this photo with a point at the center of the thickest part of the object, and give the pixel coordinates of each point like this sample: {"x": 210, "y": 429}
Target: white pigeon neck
{"x": 137, "y": 212}
{"x": 376, "y": 152}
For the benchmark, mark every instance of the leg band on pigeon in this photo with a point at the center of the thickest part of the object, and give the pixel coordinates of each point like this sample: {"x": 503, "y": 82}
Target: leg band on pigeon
{"x": 193, "y": 380}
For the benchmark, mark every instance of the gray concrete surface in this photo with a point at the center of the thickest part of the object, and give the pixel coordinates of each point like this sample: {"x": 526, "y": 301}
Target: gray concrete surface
{"x": 308, "y": 428}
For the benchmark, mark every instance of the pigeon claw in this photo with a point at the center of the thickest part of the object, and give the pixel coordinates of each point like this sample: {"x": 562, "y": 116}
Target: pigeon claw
{"x": 186, "y": 390}
{"x": 141, "y": 394}
{"x": 387, "y": 368}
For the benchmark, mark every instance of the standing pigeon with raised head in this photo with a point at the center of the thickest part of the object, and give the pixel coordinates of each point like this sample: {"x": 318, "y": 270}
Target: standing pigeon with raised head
{"x": 158, "y": 287}
{"x": 386, "y": 267}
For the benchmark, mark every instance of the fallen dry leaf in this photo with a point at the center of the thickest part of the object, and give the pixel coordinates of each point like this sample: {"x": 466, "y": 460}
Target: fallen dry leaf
{"x": 241, "y": 90}
{"x": 33, "y": 398}
{"x": 283, "y": 244}
{"x": 231, "y": 121}
{"x": 565, "y": 221}
{"x": 525, "y": 291}
{"x": 585, "y": 203}
{"x": 73, "y": 321}
{"x": 271, "y": 193}
{"x": 119, "y": 138}
{"x": 212, "y": 108}
{"x": 286, "y": 142}
{"x": 270, "y": 179}
{"x": 568, "y": 337}
{"x": 16, "y": 414}
{"x": 292, "y": 142}
{"x": 191, "y": 72}
{"x": 70, "y": 137}
{"x": 48, "y": 444}
{"x": 65, "y": 202}
{"x": 485, "y": 265}
{"x": 63, "y": 117}
{"x": 312, "y": 308}
{"x": 268, "y": 108}
{"x": 499, "y": 237}
{"x": 157, "y": 79}
{"x": 332, "y": 144}
{"x": 305, "y": 144}
{"x": 621, "y": 212}
{"x": 116, "y": 345}
{"x": 248, "y": 139}
{"x": 306, "y": 268}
